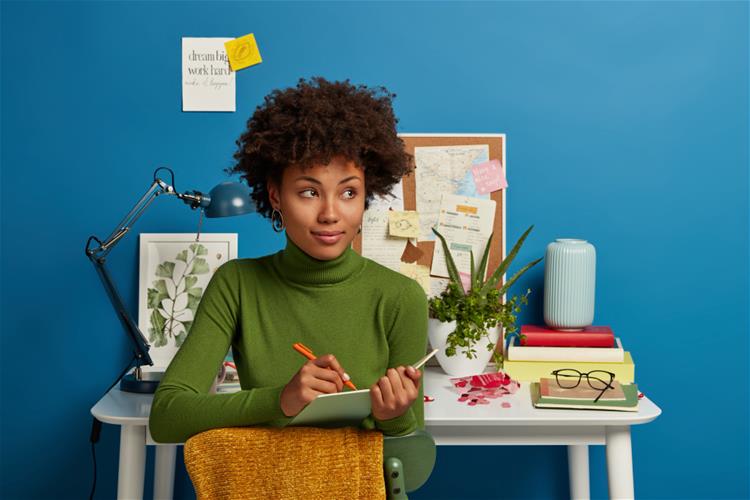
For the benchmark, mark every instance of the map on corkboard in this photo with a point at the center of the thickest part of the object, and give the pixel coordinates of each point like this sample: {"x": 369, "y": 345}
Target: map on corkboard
{"x": 445, "y": 164}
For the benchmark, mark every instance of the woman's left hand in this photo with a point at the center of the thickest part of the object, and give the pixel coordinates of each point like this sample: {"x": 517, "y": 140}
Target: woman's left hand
{"x": 394, "y": 393}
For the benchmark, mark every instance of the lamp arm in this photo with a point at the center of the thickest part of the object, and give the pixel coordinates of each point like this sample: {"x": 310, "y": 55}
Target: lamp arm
{"x": 98, "y": 257}
{"x": 139, "y": 341}
{"x": 158, "y": 187}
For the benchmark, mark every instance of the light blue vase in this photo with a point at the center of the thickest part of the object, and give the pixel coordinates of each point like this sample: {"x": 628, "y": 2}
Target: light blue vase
{"x": 569, "y": 283}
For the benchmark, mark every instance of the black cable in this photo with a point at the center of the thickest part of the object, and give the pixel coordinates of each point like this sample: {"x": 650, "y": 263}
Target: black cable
{"x": 96, "y": 427}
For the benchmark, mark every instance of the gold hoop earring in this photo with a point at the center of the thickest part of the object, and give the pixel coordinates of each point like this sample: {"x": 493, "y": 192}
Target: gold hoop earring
{"x": 277, "y": 220}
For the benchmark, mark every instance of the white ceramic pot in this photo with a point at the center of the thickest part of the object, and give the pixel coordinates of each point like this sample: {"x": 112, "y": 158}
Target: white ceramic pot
{"x": 459, "y": 365}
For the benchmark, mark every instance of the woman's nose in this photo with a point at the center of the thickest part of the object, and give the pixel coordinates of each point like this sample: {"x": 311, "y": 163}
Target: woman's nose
{"x": 328, "y": 211}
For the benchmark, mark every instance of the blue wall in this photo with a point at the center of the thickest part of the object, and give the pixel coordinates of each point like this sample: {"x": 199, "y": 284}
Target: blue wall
{"x": 627, "y": 125}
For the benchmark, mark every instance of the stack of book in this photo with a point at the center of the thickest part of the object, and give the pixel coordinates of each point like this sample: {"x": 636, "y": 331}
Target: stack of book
{"x": 544, "y": 350}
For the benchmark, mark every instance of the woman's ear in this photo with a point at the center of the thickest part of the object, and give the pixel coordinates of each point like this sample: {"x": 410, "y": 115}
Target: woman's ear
{"x": 273, "y": 194}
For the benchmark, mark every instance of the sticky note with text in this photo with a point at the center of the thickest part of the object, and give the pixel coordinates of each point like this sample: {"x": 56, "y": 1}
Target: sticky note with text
{"x": 489, "y": 176}
{"x": 243, "y": 52}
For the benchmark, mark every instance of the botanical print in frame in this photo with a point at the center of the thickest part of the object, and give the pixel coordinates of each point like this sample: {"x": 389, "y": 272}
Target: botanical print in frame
{"x": 174, "y": 272}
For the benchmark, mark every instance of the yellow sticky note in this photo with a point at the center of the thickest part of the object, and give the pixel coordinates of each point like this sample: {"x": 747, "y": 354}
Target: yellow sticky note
{"x": 404, "y": 224}
{"x": 243, "y": 52}
{"x": 417, "y": 272}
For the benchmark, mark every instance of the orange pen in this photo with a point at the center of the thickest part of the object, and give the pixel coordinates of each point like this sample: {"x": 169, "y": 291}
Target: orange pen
{"x": 306, "y": 352}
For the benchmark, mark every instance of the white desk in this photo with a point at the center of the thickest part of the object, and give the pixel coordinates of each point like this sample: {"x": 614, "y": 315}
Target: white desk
{"x": 449, "y": 422}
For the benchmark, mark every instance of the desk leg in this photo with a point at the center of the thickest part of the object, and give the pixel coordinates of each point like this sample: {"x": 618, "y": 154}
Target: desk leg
{"x": 619, "y": 462}
{"x": 164, "y": 471}
{"x": 132, "y": 462}
{"x": 578, "y": 471}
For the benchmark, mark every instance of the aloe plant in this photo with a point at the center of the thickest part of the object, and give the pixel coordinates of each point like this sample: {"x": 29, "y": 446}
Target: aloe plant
{"x": 481, "y": 307}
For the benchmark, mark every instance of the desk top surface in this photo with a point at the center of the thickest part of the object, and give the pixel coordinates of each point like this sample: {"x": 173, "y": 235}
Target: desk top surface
{"x": 124, "y": 408}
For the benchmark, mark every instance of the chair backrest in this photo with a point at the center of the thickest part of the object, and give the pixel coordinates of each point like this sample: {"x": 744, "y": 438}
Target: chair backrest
{"x": 417, "y": 453}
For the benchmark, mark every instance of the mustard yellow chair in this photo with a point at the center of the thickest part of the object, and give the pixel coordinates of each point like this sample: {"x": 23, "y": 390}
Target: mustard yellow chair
{"x": 307, "y": 462}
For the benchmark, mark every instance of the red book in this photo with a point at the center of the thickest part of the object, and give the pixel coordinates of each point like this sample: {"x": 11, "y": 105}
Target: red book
{"x": 590, "y": 336}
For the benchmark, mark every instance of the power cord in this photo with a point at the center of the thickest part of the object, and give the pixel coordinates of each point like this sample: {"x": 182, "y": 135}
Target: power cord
{"x": 96, "y": 427}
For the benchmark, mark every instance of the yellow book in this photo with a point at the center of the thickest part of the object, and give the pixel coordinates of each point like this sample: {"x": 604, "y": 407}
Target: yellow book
{"x": 532, "y": 371}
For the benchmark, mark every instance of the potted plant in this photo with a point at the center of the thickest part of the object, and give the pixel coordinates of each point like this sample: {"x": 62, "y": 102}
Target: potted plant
{"x": 459, "y": 318}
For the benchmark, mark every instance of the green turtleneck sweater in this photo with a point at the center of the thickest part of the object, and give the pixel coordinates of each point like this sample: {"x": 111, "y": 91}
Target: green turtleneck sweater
{"x": 369, "y": 317}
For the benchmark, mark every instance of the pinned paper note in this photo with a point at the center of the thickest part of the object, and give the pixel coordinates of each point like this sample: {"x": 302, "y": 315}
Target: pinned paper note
{"x": 465, "y": 280}
{"x": 208, "y": 83}
{"x": 404, "y": 224}
{"x": 421, "y": 274}
{"x": 377, "y": 245}
{"x": 489, "y": 176}
{"x": 243, "y": 52}
{"x": 412, "y": 253}
{"x": 466, "y": 224}
{"x": 437, "y": 286}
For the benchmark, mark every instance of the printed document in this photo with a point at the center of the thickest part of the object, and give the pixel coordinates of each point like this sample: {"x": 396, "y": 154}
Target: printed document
{"x": 466, "y": 224}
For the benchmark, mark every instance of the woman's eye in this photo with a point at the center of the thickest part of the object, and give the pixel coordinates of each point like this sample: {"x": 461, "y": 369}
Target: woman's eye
{"x": 308, "y": 193}
{"x": 350, "y": 193}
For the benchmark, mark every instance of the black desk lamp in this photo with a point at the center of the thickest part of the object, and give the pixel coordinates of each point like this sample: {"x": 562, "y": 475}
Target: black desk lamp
{"x": 224, "y": 200}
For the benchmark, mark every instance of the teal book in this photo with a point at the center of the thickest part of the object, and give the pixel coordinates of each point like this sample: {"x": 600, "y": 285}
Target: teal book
{"x": 629, "y": 404}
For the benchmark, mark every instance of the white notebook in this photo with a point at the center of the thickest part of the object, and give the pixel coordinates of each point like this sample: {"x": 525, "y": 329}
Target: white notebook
{"x": 338, "y": 409}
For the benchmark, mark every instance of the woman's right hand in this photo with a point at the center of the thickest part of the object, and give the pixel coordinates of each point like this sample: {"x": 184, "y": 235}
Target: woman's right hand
{"x": 313, "y": 379}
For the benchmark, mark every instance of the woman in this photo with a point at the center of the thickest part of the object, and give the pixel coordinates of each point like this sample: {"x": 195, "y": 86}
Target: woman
{"x": 314, "y": 154}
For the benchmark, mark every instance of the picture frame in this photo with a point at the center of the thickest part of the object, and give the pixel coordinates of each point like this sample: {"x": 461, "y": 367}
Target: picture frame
{"x": 174, "y": 269}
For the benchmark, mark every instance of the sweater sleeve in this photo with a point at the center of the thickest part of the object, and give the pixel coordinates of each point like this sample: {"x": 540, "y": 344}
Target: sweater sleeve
{"x": 182, "y": 404}
{"x": 407, "y": 341}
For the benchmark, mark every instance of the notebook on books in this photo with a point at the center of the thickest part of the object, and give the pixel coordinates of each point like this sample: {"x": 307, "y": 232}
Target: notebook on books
{"x": 629, "y": 404}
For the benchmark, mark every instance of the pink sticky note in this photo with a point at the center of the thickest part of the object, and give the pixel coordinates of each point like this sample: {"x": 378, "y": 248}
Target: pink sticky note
{"x": 489, "y": 176}
{"x": 466, "y": 280}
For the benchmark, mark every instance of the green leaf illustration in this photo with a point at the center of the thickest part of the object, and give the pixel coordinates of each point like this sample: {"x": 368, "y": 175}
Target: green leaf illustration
{"x": 200, "y": 266}
{"x": 193, "y": 303}
{"x": 190, "y": 281}
{"x": 169, "y": 314}
{"x": 155, "y": 297}
{"x": 161, "y": 287}
{"x": 165, "y": 270}
{"x": 157, "y": 336}
{"x": 198, "y": 249}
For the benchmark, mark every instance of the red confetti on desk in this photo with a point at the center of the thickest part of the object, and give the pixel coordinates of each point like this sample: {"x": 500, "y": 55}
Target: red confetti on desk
{"x": 428, "y": 399}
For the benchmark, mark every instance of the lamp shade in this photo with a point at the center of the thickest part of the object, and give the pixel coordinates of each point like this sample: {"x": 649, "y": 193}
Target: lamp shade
{"x": 228, "y": 199}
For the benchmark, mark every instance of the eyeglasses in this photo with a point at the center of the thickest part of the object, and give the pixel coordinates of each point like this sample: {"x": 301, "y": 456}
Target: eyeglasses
{"x": 601, "y": 380}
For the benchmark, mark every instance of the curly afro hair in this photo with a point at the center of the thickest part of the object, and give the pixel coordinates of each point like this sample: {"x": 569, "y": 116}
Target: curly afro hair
{"x": 314, "y": 122}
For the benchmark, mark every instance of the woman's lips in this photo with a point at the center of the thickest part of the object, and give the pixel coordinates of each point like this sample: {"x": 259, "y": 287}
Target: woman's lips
{"x": 329, "y": 238}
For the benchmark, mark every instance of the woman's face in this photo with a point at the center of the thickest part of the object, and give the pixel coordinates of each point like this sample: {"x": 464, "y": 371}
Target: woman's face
{"x": 322, "y": 206}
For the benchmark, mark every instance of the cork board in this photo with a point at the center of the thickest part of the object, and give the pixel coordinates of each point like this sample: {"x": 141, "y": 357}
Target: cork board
{"x": 496, "y": 143}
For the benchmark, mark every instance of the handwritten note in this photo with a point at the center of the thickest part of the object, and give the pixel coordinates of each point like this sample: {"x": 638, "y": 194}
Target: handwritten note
{"x": 377, "y": 244}
{"x": 489, "y": 176}
{"x": 419, "y": 273}
{"x": 208, "y": 82}
{"x": 403, "y": 224}
{"x": 243, "y": 52}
